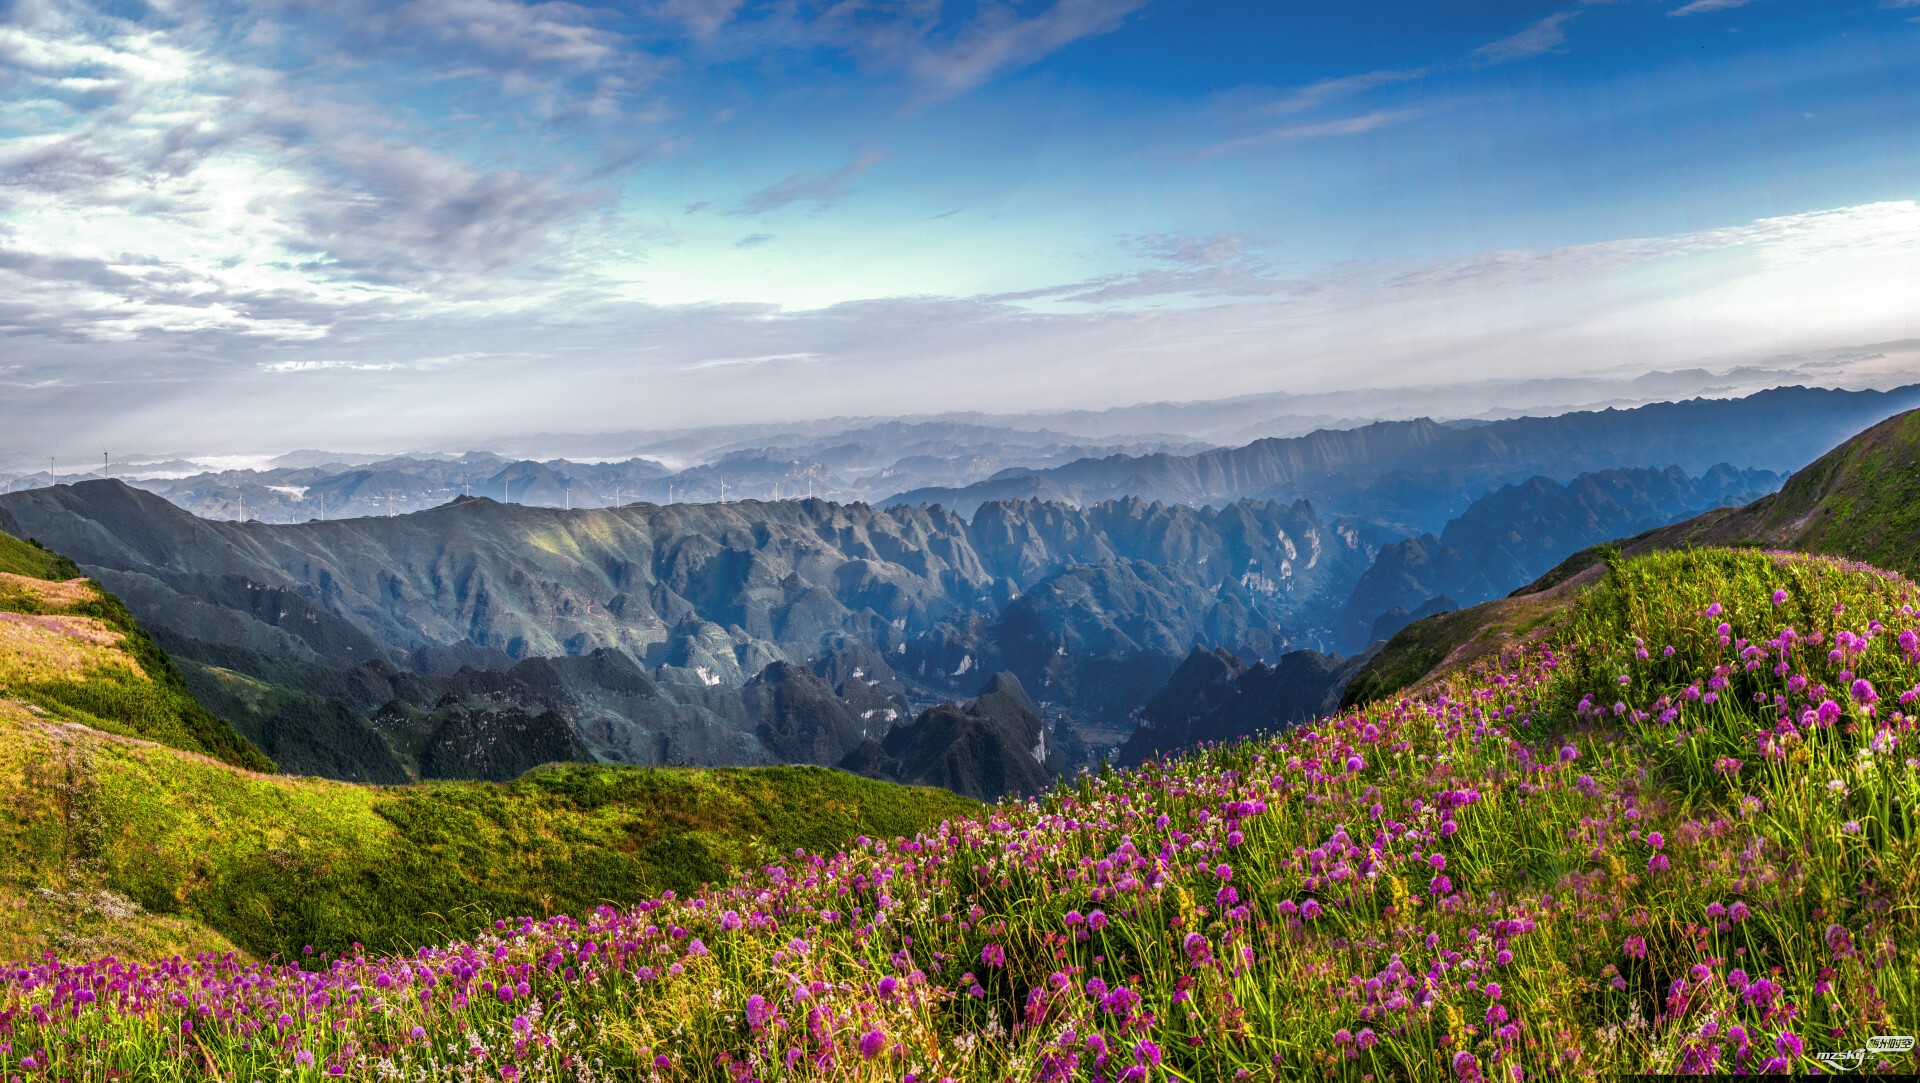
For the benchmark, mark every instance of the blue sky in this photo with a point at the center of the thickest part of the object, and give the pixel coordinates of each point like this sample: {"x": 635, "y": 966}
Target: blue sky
{"x": 296, "y": 222}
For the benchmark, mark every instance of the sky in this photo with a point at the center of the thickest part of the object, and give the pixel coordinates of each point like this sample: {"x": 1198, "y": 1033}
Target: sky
{"x": 249, "y": 227}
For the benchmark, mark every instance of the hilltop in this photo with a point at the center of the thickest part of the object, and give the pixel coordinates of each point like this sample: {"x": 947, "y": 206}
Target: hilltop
{"x": 1861, "y": 500}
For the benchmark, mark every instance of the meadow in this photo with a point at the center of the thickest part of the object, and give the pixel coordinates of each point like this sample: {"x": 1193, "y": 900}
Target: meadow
{"x": 1673, "y": 832}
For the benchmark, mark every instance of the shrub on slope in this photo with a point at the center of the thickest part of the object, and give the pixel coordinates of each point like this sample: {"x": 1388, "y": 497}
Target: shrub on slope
{"x": 1673, "y": 836}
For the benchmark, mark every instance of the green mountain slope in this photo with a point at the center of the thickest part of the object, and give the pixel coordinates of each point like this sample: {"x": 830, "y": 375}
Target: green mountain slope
{"x": 276, "y": 864}
{"x": 1860, "y": 501}
{"x": 70, "y": 651}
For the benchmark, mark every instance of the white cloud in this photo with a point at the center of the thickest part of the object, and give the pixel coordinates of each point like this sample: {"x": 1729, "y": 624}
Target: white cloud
{"x": 1544, "y": 36}
{"x": 324, "y": 366}
{"x": 946, "y": 59}
{"x": 1698, "y": 7}
{"x": 1001, "y": 40}
{"x": 806, "y": 187}
{"x": 520, "y": 34}
{"x": 207, "y": 196}
{"x": 1315, "y": 95}
{"x": 1360, "y": 124}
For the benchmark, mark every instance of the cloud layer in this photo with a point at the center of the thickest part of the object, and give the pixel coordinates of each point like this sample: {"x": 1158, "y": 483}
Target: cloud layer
{"x": 288, "y": 222}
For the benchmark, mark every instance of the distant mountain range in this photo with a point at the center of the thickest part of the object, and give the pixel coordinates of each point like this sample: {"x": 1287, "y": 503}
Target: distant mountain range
{"x": 1413, "y": 476}
{"x": 865, "y": 463}
{"x": 1517, "y": 532}
{"x": 478, "y": 638}
{"x": 653, "y": 630}
{"x": 1406, "y": 472}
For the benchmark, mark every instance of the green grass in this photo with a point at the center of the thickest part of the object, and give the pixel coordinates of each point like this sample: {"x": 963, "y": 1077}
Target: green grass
{"x": 276, "y": 864}
{"x": 1862, "y": 500}
{"x": 305, "y": 734}
{"x": 31, "y": 559}
{"x": 141, "y": 694}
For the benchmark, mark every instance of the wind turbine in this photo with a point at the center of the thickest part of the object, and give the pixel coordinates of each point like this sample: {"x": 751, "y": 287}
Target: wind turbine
{"x": 106, "y": 463}
{"x": 52, "y": 478}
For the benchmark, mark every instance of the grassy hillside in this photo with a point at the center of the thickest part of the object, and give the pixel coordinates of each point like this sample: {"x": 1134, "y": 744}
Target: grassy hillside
{"x": 70, "y": 651}
{"x": 1860, "y": 501}
{"x": 278, "y": 864}
{"x": 305, "y": 734}
{"x": 1674, "y": 834}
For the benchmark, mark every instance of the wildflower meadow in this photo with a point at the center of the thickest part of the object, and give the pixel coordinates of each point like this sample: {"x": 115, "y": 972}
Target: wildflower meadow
{"x": 1675, "y": 833}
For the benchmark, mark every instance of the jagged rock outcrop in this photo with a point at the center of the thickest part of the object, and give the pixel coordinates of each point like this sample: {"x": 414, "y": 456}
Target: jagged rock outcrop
{"x": 994, "y": 746}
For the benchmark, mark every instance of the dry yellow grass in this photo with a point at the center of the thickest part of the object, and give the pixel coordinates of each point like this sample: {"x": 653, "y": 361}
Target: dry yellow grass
{"x": 50, "y": 593}
{"x": 58, "y": 647}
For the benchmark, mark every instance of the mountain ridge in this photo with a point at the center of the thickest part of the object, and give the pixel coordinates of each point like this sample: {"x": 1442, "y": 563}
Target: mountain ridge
{"x": 1781, "y": 429}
